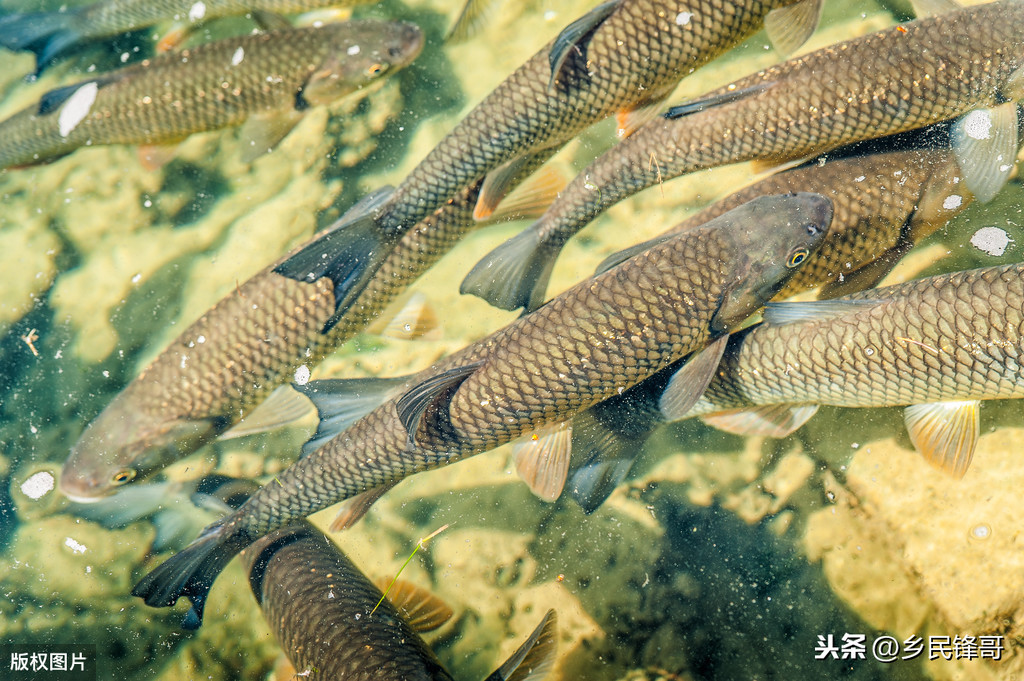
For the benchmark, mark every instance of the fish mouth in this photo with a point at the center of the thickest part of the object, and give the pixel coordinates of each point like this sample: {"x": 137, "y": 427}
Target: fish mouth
{"x": 80, "y": 499}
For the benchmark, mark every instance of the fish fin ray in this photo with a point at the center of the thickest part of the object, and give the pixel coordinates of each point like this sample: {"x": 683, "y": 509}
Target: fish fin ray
{"x": 424, "y": 401}
{"x": 780, "y": 314}
{"x": 702, "y": 103}
{"x": 414, "y": 318}
{"x": 542, "y": 459}
{"x": 261, "y": 133}
{"x": 340, "y": 402}
{"x": 282, "y": 407}
{"x": 619, "y": 257}
{"x": 515, "y": 274}
{"x": 530, "y": 199}
{"x": 945, "y": 433}
{"x": 535, "y": 658}
{"x": 930, "y": 8}
{"x": 607, "y": 459}
{"x": 776, "y": 421}
{"x": 789, "y": 27}
{"x": 629, "y": 121}
{"x": 421, "y": 610}
{"x": 574, "y": 38}
{"x": 689, "y": 382}
{"x": 349, "y": 253}
{"x": 471, "y": 20}
{"x": 986, "y": 156}
{"x": 353, "y": 509}
{"x": 497, "y": 185}
{"x": 269, "y": 21}
{"x": 868, "y": 275}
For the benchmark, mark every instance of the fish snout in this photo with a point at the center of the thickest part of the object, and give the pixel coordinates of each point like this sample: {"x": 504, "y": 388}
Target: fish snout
{"x": 410, "y": 42}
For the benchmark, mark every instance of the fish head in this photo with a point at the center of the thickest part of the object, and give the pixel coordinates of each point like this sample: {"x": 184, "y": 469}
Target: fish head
{"x": 771, "y": 237}
{"x": 361, "y": 55}
{"x": 126, "y": 444}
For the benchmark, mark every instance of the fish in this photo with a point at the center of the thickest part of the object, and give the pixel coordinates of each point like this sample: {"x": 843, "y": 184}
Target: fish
{"x": 225, "y": 374}
{"x": 964, "y": 64}
{"x": 52, "y": 34}
{"x": 265, "y": 80}
{"x": 936, "y": 346}
{"x": 596, "y": 339}
{"x": 623, "y": 57}
{"x": 333, "y": 621}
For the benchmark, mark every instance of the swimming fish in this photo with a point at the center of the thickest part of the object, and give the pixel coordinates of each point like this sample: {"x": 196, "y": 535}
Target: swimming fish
{"x": 51, "y": 34}
{"x": 937, "y": 346}
{"x": 884, "y": 203}
{"x": 623, "y": 57}
{"x": 250, "y": 343}
{"x": 318, "y": 605}
{"x": 586, "y": 345}
{"x": 265, "y": 80}
{"x": 964, "y": 63}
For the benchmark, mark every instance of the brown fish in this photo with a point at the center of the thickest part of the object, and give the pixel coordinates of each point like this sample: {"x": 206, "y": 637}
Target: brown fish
{"x": 584, "y": 346}
{"x": 622, "y": 58}
{"x": 267, "y": 80}
{"x": 330, "y": 618}
{"x": 899, "y": 79}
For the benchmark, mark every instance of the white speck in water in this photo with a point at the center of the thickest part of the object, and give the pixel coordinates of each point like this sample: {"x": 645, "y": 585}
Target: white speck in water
{"x": 37, "y": 485}
{"x": 88, "y": 569}
{"x": 952, "y": 201}
{"x": 33, "y": 429}
{"x": 978, "y": 125}
{"x": 147, "y": 203}
{"x": 137, "y": 278}
{"x": 859, "y": 179}
{"x": 869, "y": 351}
{"x": 302, "y": 375}
{"x": 357, "y": 616}
{"x": 106, "y": 374}
{"x": 550, "y": 15}
{"x": 76, "y": 108}
{"x": 992, "y": 240}
{"x": 1005, "y": 167}
{"x": 124, "y": 57}
{"x": 197, "y": 11}
{"x": 353, "y": 51}
{"x": 330, "y": 594}
{"x": 855, "y": 445}
{"x": 201, "y": 339}
{"x": 74, "y": 546}
{"x": 238, "y": 56}
{"x": 981, "y": 531}
{"x": 683, "y": 18}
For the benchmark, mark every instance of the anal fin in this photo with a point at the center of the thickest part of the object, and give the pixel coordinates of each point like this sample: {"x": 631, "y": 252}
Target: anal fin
{"x": 413, "y": 317}
{"x": 945, "y": 433}
{"x": 629, "y": 121}
{"x": 528, "y": 201}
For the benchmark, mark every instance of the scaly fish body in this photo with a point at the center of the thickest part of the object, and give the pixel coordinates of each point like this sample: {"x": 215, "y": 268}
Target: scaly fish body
{"x": 213, "y": 86}
{"x": 249, "y": 343}
{"x": 318, "y": 605}
{"x": 955, "y": 336}
{"x": 601, "y": 336}
{"x": 899, "y": 79}
{"x": 49, "y": 34}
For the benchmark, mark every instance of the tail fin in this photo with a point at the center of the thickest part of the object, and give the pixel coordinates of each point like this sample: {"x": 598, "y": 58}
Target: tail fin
{"x": 48, "y": 34}
{"x": 515, "y": 274}
{"x": 349, "y": 254}
{"x": 191, "y": 572}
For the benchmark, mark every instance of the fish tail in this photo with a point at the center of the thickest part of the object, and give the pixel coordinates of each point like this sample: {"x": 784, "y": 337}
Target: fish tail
{"x": 48, "y": 34}
{"x": 516, "y": 273}
{"x": 191, "y": 572}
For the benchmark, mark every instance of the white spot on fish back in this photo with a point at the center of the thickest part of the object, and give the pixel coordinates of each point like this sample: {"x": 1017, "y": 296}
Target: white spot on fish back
{"x": 952, "y": 201}
{"x": 74, "y": 546}
{"x": 37, "y": 485}
{"x": 76, "y": 108}
{"x": 992, "y": 240}
{"x": 550, "y": 15}
{"x": 197, "y": 11}
{"x": 238, "y": 56}
{"x": 353, "y": 51}
{"x": 683, "y": 18}
{"x": 978, "y": 125}
{"x": 302, "y": 375}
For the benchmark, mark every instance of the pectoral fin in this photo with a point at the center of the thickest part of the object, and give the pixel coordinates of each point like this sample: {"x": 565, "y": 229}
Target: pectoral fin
{"x": 414, "y": 317}
{"x": 352, "y": 510}
{"x": 985, "y": 146}
{"x": 776, "y": 421}
{"x": 929, "y": 8}
{"x": 542, "y": 459}
{"x": 868, "y": 275}
{"x": 780, "y": 314}
{"x": 281, "y": 408}
{"x": 262, "y": 132}
{"x": 474, "y": 16}
{"x": 789, "y": 27}
{"x": 534, "y": 660}
{"x": 428, "y": 401}
{"x": 342, "y": 402}
{"x": 422, "y": 610}
{"x": 574, "y": 38}
{"x": 945, "y": 433}
{"x": 690, "y": 381}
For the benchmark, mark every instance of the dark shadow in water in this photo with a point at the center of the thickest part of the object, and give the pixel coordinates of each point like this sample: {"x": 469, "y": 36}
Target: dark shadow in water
{"x": 205, "y": 186}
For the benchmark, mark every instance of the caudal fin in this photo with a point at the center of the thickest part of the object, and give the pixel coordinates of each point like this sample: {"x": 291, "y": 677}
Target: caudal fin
{"x": 190, "y": 573}
{"x": 48, "y": 34}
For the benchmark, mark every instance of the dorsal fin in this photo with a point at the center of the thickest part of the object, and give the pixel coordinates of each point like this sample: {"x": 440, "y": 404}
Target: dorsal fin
{"x": 702, "y": 103}
{"x": 619, "y": 257}
{"x": 421, "y": 610}
{"x": 429, "y": 400}
{"x": 340, "y": 402}
{"x": 574, "y": 39}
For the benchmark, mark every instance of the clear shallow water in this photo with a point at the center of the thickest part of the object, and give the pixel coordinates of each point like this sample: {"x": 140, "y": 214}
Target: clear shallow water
{"x": 722, "y": 558}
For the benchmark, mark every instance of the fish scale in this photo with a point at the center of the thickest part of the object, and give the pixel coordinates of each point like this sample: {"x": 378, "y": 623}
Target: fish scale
{"x": 952, "y": 337}
{"x": 634, "y": 58}
{"x": 741, "y": 267}
{"x": 168, "y": 98}
{"x": 899, "y": 79}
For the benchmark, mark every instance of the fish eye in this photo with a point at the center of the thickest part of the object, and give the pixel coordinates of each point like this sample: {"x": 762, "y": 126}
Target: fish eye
{"x": 375, "y": 69}
{"x": 797, "y": 257}
{"x": 122, "y": 476}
